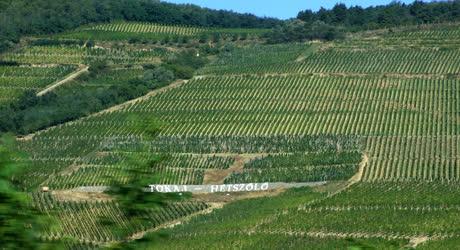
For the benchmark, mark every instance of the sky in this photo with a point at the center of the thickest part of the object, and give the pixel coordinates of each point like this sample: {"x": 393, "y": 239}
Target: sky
{"x": 282, "y": 9}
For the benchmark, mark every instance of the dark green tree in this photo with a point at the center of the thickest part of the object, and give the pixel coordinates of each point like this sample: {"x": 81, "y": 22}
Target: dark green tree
{"x": 158, "y": 75}
{"x": 339, "y": 13}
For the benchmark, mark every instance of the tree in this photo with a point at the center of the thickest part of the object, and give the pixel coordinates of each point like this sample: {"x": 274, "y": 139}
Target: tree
{"x": 97, "y": 67}
{"x": 357, "y": 16}
{"x": 159, "y": 75}
{"x": 324, "y": 15}
{"x": 456, "y": 10}
{"x": 385, "y": 16}
{"x": 20, "y": 222}
{"x": 340, "y": 13}
{"x": 306, "y": 16}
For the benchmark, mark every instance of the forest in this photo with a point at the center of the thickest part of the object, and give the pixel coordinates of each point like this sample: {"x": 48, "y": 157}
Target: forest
{"x": 386, "y": 16}
{"x": 331, "y": 24}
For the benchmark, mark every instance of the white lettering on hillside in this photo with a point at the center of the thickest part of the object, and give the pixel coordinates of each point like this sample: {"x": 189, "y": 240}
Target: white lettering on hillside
{"x": 245, "y": 187}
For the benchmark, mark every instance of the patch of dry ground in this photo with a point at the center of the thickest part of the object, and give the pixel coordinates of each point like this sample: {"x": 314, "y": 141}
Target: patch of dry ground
{"x": 359, "y": 175}
{"x": 415, "y": 241}
{"x": 69, "y": 195}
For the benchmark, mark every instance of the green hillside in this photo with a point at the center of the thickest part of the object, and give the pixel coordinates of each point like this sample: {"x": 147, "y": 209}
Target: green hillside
{"x": 373, "y": 118}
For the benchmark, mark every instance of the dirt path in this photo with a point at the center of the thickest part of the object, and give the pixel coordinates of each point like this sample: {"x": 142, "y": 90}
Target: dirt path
{"x": 359, "y": 175}
{"x": 81, "y": 69}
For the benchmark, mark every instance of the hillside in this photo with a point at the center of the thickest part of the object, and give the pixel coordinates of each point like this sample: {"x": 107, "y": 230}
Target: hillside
{"x": 366, "y": 128}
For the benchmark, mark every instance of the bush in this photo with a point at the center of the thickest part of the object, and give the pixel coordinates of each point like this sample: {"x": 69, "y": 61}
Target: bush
{"x": 181, "y": 71}
{"x": 204, "y": 38}
{"x": 5, "y": 44}
{"x": 158, "y": 75}
{"x": 133, "y": 40}
{"x": 90, "y": 44}
{"x": 97, "y": 67}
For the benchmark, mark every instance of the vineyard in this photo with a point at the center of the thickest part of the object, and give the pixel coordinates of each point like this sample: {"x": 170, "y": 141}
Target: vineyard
{"x": 430, "y": 158}
{"x": 351, "y": 61}
{"x": 146, "y": 28}
{"x": 296, "y": 105}
{"x": 416, "y": 104}
{"x": 58, "y": 54}
{"x": 69, "y": 162}
{"x": 384, "y": 215}
{"x": 119, "y": 31}
{"x": 104, "y": 168}
{"x": 82, "y": 220}
{"x": 323, "y": 166}
{"x": 375, "y": 116}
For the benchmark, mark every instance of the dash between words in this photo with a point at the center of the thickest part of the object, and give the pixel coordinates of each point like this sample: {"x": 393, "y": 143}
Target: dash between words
{"x": 246, "y": 187}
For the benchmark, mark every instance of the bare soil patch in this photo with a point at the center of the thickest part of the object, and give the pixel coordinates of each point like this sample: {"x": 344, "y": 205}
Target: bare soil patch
{"x": 69, "y": 195}
{"x": 415, "y": 241}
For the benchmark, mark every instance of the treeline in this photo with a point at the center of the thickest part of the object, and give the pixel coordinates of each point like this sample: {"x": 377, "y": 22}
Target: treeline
{"x": 332, "y": 24}
{"x": 30, "y": 17}
{"x": 392, "y": 15}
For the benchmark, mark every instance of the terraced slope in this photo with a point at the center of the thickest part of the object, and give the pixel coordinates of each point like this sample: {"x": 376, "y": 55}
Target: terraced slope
{"x": 381, "y": 103}
{"x": 377, "y": 107}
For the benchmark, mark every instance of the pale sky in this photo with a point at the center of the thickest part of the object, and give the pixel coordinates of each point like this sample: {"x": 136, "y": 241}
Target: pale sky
{"x": 278, "y": 8}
